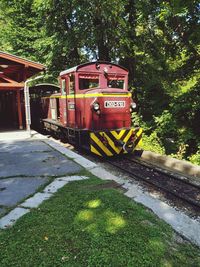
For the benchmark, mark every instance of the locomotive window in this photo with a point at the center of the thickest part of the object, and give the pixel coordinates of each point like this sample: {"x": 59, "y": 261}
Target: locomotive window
{"x": 63, "y": 87}
{"x": 85, "y": 83}
{"x": 71, "y": 84}
{"x": 116, "y": 84}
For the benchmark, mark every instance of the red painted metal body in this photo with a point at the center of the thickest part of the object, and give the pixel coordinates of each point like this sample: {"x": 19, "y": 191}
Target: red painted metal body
{"x": 93, "y": 109}
{"x": 79, "y": 110}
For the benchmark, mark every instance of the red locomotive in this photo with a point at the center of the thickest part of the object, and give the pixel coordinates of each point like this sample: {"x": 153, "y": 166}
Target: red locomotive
{"x": 93, "y": 109}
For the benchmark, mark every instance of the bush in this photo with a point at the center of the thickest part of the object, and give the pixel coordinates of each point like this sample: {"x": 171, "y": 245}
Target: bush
{"x": 195, "y": 158}
{"x": 152, "y": 143}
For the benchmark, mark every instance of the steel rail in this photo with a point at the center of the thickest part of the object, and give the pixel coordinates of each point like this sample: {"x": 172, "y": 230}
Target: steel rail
{"x": 163, "y": 172}
{"x": 160, "y": 186}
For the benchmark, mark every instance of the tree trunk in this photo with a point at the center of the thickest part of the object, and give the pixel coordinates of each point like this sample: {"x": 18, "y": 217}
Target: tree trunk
{"x": 129, "y": 60}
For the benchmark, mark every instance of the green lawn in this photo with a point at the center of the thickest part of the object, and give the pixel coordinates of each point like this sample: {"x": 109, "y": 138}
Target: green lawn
{"x": 89, "y": 224}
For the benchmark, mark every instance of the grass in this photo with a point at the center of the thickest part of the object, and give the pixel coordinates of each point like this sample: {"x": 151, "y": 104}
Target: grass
{"x": 85, "y": 224}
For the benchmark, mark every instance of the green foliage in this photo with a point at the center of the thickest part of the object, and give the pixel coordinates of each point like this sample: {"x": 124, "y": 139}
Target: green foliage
{"x": 181, "y": 153}
{"x": 178, "y": 127}
{"x": 21, "y": 27}
{"x": 166, "y": 124}
{"x": 136, "y": 119}
{"x": 195, "y": 158}
{"x": 152, "y": 143}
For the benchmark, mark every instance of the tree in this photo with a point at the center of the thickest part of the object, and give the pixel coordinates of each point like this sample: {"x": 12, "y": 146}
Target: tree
{"x": 21, "y": 28}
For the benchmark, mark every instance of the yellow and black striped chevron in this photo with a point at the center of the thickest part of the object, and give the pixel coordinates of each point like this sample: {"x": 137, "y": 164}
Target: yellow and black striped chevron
{"x": 115, "y": 142}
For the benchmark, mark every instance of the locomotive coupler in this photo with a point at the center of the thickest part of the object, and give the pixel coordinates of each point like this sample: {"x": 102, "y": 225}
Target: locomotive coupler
{"x": 128, "y": 147}
{"x": 119, "y": 143}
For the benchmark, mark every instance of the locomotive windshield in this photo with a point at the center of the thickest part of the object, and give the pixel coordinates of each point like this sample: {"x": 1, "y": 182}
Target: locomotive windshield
{"x": 115, "y": 81}
{"x": 116, "y": 84}
{"x": 87, "y": 82}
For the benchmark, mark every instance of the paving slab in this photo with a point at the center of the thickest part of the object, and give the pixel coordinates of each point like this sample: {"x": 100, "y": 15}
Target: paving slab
{"x": 36, "y": 164}
{"x": 36, "y": 200}
{"x": 54, "y": 186}
{"x": 73, "y": 178}
{"x": 36, "y": 135}
{"x": 67, "y": 152}
{"x": 14, "y": 135}
{"x": 11, "y": 217}
{"x": 87, "y": 164}
{"x": 13, "y": 190}
{"x": 61, "y": 181}
{"x": 23, "y": 146}
{"x": 105, "y": 175}
{"x": 132, "y": 190}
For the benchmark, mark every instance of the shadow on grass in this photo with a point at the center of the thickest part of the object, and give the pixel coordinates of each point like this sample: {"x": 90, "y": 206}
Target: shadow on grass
{"x": 95, "y": 221}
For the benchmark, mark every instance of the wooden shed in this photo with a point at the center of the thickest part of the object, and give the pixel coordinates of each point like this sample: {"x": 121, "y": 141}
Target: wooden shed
{"x": 14, "y": 73}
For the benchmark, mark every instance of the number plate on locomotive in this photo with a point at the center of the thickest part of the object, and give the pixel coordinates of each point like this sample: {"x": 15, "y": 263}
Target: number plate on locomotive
{"x": 114, "y": 104}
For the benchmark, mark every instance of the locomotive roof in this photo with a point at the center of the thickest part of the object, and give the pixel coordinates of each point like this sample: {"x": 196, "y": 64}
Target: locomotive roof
{"x": 73, "y": 69}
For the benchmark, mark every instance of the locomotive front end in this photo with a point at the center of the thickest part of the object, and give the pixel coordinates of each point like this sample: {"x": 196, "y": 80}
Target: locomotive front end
{"x": 111, "y": 122}
{"x": 115, "y": 142}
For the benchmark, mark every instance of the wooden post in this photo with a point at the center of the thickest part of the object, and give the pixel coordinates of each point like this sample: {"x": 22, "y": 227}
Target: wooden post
{"x": 19, "y": 110}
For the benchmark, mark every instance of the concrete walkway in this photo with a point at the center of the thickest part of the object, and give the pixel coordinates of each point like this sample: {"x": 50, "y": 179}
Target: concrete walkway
{"x": 27, "y": 165}
{"x": 183, "y": 224}
{"x": 14, "y": 135}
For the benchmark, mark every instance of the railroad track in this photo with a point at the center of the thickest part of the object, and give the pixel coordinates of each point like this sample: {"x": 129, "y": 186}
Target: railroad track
{"x": 183, "y": 189}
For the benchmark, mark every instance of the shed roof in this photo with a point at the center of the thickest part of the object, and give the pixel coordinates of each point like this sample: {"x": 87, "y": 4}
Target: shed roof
{"x": 14, "y": 70}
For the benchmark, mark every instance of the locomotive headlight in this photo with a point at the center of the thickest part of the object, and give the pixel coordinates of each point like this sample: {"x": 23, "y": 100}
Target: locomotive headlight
{"x": 133, "y": 106}
{"x": 96, "y": 106}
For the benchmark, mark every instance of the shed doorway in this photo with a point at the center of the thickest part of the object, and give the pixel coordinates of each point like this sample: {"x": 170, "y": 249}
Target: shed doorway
{"x": 8, "y": 110}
